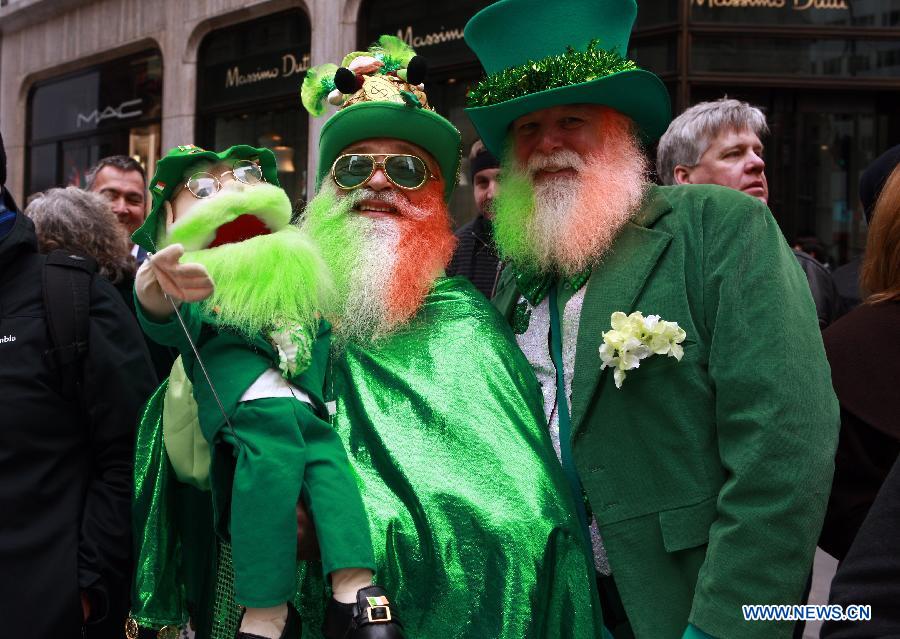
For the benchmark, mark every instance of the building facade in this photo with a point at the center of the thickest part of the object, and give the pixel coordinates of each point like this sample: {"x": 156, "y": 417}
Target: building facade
{"x": 81, "y": 79}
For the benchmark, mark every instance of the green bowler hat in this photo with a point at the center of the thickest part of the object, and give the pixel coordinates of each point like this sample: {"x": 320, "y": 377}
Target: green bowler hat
{"x": 539, "y": 54}
{"x": 379, "y": 94}
{"x": 170, "y": 175}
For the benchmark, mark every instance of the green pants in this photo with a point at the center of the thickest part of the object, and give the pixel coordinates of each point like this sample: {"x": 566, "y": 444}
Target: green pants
{"x": 280, "y": 450}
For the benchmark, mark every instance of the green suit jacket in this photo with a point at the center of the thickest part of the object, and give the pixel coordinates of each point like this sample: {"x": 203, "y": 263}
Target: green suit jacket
{"x": 708, "y": 477}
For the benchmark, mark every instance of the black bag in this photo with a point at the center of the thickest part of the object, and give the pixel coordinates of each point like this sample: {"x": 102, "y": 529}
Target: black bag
{"x": 67, "y": 302}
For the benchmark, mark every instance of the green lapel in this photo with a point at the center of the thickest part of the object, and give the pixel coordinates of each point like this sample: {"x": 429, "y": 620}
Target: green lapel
{"x": 614, "y": 286}
{"x": 507, "y": 294}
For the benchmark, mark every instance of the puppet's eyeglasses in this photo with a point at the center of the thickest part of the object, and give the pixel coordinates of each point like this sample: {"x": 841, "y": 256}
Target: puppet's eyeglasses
{"x": 203, "y": 185}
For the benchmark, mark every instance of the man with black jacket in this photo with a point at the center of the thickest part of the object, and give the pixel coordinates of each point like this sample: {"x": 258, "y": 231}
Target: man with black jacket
{"x": 65, "y": 463}
{"x": 476, "y": 256}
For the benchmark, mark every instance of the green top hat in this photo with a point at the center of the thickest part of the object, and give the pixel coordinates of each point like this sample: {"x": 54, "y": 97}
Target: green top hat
{"x": 540, "y": 54}
{"x": 170, "y": 175}
{"x": 379, "y": 95}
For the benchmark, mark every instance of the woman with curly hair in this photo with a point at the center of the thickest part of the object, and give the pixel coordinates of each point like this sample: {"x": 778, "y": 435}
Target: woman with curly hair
{"x": 82, "y": 222}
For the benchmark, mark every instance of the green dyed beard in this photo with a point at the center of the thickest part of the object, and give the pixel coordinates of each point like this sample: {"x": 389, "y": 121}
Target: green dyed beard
{"x": 267, "y": 282}
{"x": 514, "y": 209}
{"x": 328, "y": 222}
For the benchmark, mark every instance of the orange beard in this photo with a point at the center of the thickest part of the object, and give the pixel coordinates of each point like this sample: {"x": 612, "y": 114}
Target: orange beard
{"x": 609, "y": 192}
{"x": 424, "y": 248}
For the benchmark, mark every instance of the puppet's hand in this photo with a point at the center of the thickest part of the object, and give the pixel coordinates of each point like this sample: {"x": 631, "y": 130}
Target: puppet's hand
{"x": 162, "y": 274}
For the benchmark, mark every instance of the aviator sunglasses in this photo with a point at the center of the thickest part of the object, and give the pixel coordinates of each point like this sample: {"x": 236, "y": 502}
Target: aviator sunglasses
{"x": 203, "y": 185}
{"x": 404, "y": 171}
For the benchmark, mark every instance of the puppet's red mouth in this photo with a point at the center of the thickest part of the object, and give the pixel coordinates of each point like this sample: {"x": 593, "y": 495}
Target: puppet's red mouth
{"x": 243, "y": 228}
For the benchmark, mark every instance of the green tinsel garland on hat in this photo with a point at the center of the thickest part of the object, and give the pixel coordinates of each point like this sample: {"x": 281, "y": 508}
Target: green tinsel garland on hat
{"x": 553, "y": 72}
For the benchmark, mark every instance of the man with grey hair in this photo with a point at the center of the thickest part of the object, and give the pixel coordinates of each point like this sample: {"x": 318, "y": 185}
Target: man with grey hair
{"x": 719, "y": 143}
{"x": 716, "y": 143}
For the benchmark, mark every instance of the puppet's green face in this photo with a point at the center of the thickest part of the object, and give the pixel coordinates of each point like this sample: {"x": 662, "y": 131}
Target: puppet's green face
{"x": 224, "y": 203}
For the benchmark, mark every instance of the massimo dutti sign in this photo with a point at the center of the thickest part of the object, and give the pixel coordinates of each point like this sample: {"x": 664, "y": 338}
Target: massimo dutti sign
{"x": 796, "y": 5}
{"x": 773, "y": 11}
{"x": 253, "y": 78}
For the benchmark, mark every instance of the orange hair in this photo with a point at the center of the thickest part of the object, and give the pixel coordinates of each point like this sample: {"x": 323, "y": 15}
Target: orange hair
{"x": 880, "y": 275}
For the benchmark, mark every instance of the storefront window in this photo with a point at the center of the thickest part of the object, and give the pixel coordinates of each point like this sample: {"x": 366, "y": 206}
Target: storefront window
{"x": 653, "y": 13}
{"x": 659, "y": 55}
{"x": 787, "y": 56}
{"x": 249, "y": 79}
{"x": 108, "y": 110}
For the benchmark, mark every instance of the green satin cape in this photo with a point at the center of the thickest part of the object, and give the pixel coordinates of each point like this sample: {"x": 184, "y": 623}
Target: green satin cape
{"x": 474, "y": 532}
{"x": 473, "y": 528}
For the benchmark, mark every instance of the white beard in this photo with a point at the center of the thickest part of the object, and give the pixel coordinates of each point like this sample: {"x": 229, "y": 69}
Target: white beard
{"x": 364, "y": 314}
{"x": 555, "y": 199}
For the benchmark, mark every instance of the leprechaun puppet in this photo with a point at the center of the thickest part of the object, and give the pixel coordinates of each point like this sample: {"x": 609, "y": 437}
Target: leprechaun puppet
{"x": 237, "y": 289}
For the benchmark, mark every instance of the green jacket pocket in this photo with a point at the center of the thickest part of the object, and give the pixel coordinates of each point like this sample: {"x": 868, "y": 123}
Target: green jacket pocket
{"x": 688, "y": 526}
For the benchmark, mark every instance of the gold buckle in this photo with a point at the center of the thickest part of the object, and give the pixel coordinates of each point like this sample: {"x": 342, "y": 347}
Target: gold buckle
{"x": 386, "y": 609}
{"x": 131, "y": 628}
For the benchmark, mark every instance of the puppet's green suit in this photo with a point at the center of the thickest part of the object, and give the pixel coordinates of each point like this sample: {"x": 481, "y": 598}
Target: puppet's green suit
{"x": 269, "y": 449}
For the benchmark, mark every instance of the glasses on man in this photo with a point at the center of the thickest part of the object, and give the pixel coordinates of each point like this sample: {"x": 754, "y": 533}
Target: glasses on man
{"x": 203, "y": 185}
{"x": 404, "y": 171}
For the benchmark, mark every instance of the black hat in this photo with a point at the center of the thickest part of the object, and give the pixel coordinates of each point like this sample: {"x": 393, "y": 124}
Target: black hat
{"x": 873, "y": 178}
{"x": 483, "y": 159}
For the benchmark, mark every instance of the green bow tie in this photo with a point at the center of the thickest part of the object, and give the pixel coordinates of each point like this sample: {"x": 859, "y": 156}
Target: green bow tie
{"x": 534, "y": 287}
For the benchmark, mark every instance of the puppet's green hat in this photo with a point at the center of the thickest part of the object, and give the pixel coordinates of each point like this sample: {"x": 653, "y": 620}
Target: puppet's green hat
{"x": 380, "y": 95}
{"x": 170, "y": 172}
{"x": 540, "y": 54}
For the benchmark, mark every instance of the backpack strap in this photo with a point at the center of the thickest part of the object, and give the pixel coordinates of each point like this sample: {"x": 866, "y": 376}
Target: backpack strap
{"x": 67, "y": 302}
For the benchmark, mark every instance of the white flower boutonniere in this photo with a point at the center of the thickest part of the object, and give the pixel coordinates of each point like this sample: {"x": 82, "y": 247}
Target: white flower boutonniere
{"x": 635, "y": 337}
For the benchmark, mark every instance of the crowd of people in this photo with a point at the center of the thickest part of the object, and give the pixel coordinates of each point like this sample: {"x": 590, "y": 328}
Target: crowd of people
{"x": 608, "y": 406}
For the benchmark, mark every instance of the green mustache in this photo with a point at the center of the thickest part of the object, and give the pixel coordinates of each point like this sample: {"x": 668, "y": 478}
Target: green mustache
{"x": 197, "y": 228}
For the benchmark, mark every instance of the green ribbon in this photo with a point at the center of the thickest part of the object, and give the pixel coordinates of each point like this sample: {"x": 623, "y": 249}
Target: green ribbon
{"x": 565, "y": 422}
{"x": 535, "y": 286}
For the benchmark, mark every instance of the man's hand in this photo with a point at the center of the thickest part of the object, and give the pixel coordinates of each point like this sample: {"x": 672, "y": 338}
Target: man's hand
{"x": 162, "y": 274}
{"x": 307, "y": 542}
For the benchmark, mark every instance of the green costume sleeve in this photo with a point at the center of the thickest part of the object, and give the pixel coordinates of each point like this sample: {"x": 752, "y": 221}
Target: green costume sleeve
{"x": 158, "y": 596}
{"x": 169, "y": 332}
{"x": 776, "y": 414}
